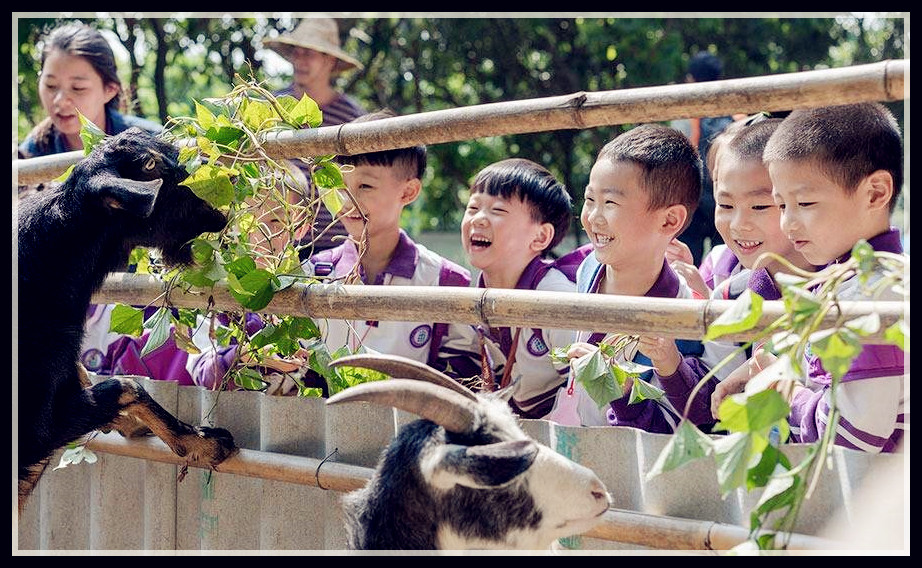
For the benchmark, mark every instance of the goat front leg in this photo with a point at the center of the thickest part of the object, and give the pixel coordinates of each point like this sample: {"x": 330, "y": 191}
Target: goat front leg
{"x": 126, "y": 425}
{"x": 28, "y": 483}
{"x": 115, "y": 400}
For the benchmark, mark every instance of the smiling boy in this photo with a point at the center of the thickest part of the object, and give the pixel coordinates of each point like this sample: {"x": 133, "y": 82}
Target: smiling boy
{"x": 516, "y": 214}
{"x": 643, "y": 189}
{"x": 836, "y": 173}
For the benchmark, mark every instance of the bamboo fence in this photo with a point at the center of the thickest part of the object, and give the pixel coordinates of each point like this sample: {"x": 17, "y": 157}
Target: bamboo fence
{"x": 627, "y": 527}
{"x": 881, "y": 81}
{"x": 676, "y": 318}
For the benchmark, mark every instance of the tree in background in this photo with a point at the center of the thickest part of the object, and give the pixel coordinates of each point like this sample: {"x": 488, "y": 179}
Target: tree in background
{"x": 415, "y": 65}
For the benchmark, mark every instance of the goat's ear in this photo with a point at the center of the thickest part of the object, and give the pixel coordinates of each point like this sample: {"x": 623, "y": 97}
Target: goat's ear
{"x": 478, "y": 467}
{"x": 136, "y": 197}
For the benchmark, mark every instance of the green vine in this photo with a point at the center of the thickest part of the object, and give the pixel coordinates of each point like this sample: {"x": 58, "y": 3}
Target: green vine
{"x": 269, "y": 204}
{"x": 750, "y": 455}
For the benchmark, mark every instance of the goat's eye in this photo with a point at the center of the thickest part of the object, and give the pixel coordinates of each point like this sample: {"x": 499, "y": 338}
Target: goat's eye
{"x": 149, "y": 164}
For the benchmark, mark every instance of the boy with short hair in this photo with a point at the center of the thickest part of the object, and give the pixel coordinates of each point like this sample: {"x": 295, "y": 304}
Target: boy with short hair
{"x": 642, "y": 191}
{"x": 749, "y": 224}
{"x": 518, "y": 212}
{"x": 378, "y": 252}
{"x": 380, "y": 185}
{"x": 837, "y": 172}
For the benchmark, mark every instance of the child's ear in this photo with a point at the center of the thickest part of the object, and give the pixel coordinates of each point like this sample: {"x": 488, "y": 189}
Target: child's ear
{"x": 879, "y": 190}
{"x": 411, "y": 190}
{"x": 674, "y": 218}
{"x": 543, "y": 237}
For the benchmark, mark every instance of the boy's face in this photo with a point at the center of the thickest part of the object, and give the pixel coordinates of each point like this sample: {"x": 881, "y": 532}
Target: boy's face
{"x": 621, "y": 229}
{"x": 820, "y": 218}
{"x": 497, "y": 233}
{"x": 745, "y": 214}
{"x": 381, "y": 193}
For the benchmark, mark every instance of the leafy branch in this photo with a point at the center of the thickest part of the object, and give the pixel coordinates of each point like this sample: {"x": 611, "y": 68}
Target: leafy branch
{"x": 756, "y": 420}
{"x": 270, "y": 205}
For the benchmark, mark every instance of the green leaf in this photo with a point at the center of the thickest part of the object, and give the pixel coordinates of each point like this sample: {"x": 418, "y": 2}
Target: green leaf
{"x": 204, "y": 116}
{"x": 258, "y": 115}
{"x": 212, "y": 183}
{"x": 241, "y": 266}
{"x": 898, "y": 334}
{"x": 159, "y": 325}
{"x": 223, "y": 131}
{"x": 780, "y": 493}
{"x": 685, "y": 445}
{"x": 642, "y": 390}
{"x": 597, "y": 377}
{"x": 127, "y": 320}
{"x": 303, "y": 328}
{"x": 63, "y": 177}
{"x": 771, "y": 458}
{"x": 743, "y": 315}
{"x": 801, "y": 304}
{"x": 249, "y": 379}
{"x": 257, "y": 289}
{"x": 733, "y": 454}
{"x": 752, "y": 413}
{"x": 836, "y": 348}
{"x": 90, "y": 134}
{"x": 327, "y": 175}
{"x": 864, "y": 325}
{"x": 306, "y": 111}
{"x": 74, "y": 455}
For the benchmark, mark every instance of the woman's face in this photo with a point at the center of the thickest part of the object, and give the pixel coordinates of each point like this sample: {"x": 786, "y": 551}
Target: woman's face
{"x": 69, "y": 83}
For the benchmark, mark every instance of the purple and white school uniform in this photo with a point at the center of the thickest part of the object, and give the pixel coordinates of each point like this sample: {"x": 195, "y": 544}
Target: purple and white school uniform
{"x": 870, "y": 397}
{"x": 443, "y": 346}
{"x": 691, "y": 370}
{"x": 653, "y": 416}
{"x": 718, "y": 265}
{"x": 536, "y": 377}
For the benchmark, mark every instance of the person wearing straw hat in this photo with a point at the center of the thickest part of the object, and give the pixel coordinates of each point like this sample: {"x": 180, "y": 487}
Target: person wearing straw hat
{"x": 314, "y": 50}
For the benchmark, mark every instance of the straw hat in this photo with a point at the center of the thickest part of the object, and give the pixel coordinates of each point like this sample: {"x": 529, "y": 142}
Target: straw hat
{"x": 319, "y": 34}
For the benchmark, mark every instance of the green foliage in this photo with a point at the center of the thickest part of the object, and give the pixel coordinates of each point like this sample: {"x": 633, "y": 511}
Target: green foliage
{"x": 750, "y": 454}
{"x": 267, "y": 204}
{"x": 415, "y": 65}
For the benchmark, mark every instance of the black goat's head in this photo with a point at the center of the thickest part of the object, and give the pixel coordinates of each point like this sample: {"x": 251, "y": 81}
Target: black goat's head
{"x": 136, "y": 178}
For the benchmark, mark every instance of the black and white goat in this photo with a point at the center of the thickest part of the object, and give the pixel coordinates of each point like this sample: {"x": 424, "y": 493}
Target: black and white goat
{"x": 126, "y": 193}
{"x": 464, "y": 476}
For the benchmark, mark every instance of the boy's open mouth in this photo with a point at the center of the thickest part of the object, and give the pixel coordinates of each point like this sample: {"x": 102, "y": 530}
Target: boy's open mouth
{"x": 480, "y": 242}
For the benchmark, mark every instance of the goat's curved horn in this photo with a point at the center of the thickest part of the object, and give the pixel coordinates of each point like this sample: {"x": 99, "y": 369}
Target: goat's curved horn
{"x": 448, "y": 409}
{"x": 402, "y": 367}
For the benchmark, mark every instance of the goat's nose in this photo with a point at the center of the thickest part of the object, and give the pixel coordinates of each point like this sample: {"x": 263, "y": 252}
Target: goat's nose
{"x": 600, "y": 493}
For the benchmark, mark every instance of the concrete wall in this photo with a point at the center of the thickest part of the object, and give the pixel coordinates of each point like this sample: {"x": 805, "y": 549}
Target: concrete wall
{"x": 122, "y": 503}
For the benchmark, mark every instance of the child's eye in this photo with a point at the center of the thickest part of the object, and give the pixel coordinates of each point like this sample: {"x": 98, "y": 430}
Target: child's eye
{"x": 806, "y": 204}
{"x": 724, "y": 206}
{"x": 762, "y": 207}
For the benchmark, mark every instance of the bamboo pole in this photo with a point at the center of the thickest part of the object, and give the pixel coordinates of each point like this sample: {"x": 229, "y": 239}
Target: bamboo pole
{"x": 676, "y": 318}
{"x": 617, "y": 525}
{"x": 881, "y": 81}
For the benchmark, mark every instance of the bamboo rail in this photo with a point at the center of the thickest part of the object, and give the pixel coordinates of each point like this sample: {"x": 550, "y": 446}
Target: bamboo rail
{"x": 881, "y": 81}
{"x": 677, "y": 318}
{"x": 618, "y": 525}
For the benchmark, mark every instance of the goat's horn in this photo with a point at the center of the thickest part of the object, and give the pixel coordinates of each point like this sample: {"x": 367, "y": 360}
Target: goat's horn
{"x": 398, "y": 366}
{"x": 446, "y": 408}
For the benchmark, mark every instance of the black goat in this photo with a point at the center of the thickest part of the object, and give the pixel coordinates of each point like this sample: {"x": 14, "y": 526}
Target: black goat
{"x": 126, "y": 193}
{"x": 465, "y": 475}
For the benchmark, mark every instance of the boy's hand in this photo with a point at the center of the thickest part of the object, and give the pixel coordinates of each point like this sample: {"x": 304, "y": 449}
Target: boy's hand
{"x": 579, "y": 349}
{"x": 677, "y": 250}
{"x": 662, "y": 352}
{"x": 692, "y": 277}
{"x": 736, "y": 381}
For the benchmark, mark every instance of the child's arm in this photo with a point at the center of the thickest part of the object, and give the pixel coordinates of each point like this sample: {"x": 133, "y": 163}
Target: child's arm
{"x": 678, "y": 376}
{"x": 869, "y": 398}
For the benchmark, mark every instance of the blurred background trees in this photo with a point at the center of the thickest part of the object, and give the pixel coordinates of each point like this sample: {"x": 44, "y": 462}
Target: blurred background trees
{"x": 421, "y": 64}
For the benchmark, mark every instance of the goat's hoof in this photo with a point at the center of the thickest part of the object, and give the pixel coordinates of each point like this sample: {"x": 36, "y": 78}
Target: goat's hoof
{"x": 214, "y": 445}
